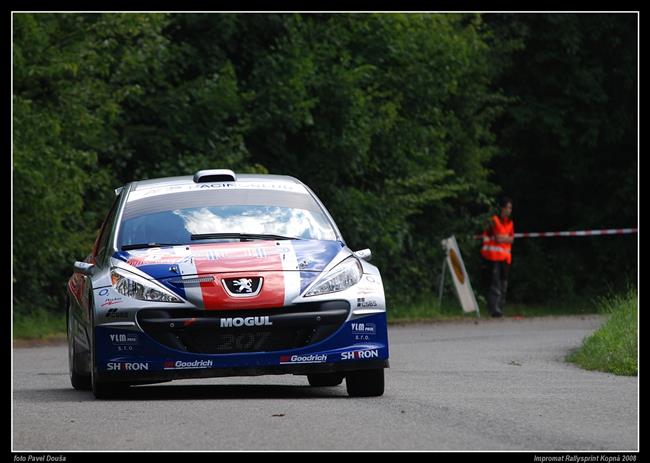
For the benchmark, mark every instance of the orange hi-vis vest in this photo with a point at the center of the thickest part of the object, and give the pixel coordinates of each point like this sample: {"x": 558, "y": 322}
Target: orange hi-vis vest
{"x": 492, "y": 250}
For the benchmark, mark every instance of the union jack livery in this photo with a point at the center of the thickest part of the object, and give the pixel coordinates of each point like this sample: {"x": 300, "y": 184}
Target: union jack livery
{"x": 224, "y": 274}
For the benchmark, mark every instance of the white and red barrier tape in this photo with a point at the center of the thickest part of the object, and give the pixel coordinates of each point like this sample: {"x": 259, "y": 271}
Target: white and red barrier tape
{"x": 611, "y": 231}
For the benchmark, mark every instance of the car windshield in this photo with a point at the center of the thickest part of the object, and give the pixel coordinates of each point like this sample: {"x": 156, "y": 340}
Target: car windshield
{"x": 194, "y": 218}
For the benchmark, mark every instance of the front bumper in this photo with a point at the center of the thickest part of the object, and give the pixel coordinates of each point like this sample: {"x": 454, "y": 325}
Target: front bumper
{"x": 131, "y": 354}
{"x": 161, "y": 376}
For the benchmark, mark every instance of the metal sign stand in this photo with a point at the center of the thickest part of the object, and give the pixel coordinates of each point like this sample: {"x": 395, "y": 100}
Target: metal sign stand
{"x": 442, "y": 281}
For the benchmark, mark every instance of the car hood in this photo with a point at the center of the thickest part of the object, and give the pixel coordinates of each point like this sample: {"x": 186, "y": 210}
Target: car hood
{"x": 247, "y": 256}
{"x": 283, "y": 268}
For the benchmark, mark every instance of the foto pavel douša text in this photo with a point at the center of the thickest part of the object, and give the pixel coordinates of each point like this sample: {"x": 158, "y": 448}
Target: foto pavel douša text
{"x": 40, "y": 458}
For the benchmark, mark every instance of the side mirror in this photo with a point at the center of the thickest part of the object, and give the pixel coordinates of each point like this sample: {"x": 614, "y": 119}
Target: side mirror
{"x": 364, "y": 254}
{"x": 84, "y": 268}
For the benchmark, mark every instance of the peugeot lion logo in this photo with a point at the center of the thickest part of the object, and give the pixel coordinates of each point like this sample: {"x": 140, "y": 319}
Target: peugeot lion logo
{"x": 242, "y": 287}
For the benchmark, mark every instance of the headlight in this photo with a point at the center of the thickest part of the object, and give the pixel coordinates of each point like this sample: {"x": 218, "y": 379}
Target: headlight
{"x": 138, "y": 288}
{"x": 341, "y": 277}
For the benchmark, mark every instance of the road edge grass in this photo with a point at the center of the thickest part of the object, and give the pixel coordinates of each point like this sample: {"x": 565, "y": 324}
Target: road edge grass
{"x": 39, "y": 325}
{"x": 613, "y": 348}
{"x": 431, "y": 309}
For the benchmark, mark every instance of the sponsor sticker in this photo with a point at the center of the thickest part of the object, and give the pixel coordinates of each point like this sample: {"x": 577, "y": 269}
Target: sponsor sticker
{"x": 365, "y": 291}
{"x": 127, "y": 366}
{"x": 124, "y": 338}
{"x": 186, "y": 365}
{"x": 111, "y": 301}
{"x": 363, "y": 331}
{"x": 304, "y": 264}
{"x": 103, "y": 292}
{"x": 364, "y": 328}
{"x": 244, "y": 342}
{"x": 360, "y": 354}
{"x": 124, "y": 342}
{"x": 362, "y": 302}
{"x": 114, "y": 313}
{"x": 305, "y": 358}
{"x": 258, "y": 185}
{"x": 237, "y": 322}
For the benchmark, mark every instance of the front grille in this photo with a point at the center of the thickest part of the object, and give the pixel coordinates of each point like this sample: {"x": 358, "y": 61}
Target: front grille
{"x": 205, "y": 341}
{"x": 228, "y": 332}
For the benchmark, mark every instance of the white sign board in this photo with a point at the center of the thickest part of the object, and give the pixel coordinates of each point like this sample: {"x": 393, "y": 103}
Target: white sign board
{"x": 459, "y": 275}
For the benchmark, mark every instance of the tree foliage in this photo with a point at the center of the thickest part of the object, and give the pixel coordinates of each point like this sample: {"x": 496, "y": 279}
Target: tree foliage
{"x": 569, "y": 144}
{"x": 406, "y": 125}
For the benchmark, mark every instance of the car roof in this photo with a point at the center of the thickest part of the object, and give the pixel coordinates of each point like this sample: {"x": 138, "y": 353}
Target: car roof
{"x": 189, "y": 180}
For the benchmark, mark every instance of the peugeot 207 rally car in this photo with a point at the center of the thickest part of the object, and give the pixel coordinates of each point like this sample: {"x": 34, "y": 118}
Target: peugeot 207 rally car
{"x": 224, "y": 275}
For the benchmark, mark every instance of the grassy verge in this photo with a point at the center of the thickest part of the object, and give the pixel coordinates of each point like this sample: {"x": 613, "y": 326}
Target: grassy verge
{"x": 40, "y": 324}
{"x": 426, "y": 308}
{"x": 429, "y": 308}
{"x": 613, "y": 347}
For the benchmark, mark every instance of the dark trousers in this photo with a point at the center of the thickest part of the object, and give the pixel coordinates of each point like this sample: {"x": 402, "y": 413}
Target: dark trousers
{"x": 496, "y": 275}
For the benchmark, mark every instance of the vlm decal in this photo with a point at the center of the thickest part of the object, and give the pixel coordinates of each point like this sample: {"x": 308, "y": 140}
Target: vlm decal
{"x": 124, "y": 341}
{"x": 364, "y": 328}
{"x": 360, "y": 354}
{"x": 363, "y": 331}
{"x": 121, "y": 338}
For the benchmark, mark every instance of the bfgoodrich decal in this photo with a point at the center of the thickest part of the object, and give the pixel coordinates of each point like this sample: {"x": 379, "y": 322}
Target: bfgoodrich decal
{"x": 186, "y": 365}
{"x": 309, "y": 358}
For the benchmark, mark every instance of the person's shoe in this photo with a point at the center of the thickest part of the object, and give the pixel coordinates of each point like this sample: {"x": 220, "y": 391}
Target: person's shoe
{"x": 497, "y": 314}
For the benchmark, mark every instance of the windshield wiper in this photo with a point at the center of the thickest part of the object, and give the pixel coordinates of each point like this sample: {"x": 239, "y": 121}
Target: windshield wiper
{"x": 241, "y": 236}
{"x": 127, "y": 247}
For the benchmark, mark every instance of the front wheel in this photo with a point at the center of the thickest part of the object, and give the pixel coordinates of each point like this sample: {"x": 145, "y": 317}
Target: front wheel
{"x": 80, "y": 381}
{"x": 365, "y": 383}
{"x": 102, "y": 389}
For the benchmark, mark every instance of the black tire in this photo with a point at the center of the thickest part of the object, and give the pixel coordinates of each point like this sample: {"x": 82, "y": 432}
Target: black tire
{"x": 325, "y": 379}
{"x": 108, "y": 390}
{"x": 79, "y": 381}
{"x": 365, "y": 383}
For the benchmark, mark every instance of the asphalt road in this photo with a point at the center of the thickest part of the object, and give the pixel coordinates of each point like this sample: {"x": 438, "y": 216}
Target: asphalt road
{"x": 496, "y": 385}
